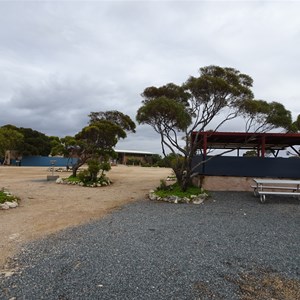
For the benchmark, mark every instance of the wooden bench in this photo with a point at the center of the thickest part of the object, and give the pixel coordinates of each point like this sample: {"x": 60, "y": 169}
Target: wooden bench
{"x": 282, "y": 187}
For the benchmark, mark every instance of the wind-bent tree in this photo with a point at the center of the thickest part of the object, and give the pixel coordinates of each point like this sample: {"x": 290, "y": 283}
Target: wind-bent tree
{"x": 217, "y": 96}
{"x": 97, "y": 140}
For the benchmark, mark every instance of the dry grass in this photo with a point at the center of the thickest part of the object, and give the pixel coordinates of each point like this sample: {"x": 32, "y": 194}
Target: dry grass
{"x": 262, "y": 284}
{"x": 267, "y": 286}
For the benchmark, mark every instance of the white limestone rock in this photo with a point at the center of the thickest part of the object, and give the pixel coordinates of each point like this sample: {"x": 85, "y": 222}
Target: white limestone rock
{"x": 11, "y": 204}
{"x": 186, "y": 200}
{"x": 152, "y": 196}
{"x": 4, "y": 206}
{"x": 198, "y": 201}
{"x": 59, "y": 180}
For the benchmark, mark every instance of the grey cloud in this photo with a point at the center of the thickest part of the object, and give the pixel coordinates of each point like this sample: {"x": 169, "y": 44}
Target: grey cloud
{"x": 61, "y": 60}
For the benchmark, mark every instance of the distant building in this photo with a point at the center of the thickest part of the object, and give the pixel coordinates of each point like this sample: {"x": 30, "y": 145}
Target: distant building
{"x": 126, "y": 156}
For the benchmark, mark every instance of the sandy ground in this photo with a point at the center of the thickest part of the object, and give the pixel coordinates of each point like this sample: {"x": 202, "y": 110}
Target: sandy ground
{"x": 47, "y": 207}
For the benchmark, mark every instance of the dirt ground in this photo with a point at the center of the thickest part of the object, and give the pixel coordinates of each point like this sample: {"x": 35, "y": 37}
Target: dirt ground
{"x": 47, "y": 207}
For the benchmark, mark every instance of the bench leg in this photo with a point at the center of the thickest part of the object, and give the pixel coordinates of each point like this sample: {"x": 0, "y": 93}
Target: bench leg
{"x": 255, "y": 192}
{"x": 262, "y": 198}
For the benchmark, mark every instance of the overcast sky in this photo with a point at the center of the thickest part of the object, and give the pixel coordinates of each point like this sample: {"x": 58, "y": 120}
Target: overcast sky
{"x": 61, "y": 60}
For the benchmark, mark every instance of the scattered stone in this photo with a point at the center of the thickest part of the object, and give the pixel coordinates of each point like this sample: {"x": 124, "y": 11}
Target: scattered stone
{"x": 11, "y": 204}
{"x": 186, "y": 200}
{"x": 195, "y": 199}
{"x": 198, "y": 200}
{"x": 4, "y": 206}
{"x": 14, "y": 236}
{"x": 152, "y": 195}
{"x": 59, "y": 180}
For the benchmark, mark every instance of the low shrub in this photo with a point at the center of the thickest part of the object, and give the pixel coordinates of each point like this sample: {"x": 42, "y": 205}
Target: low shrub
{"x": 165, "y": 190}
{"x": 7, "y": 196}
{"x": 93, "y": 176}
{"x": 83, "y": 178}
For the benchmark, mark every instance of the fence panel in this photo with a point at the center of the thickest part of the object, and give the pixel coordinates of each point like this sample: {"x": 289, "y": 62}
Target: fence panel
{"x": 249, "y": 166}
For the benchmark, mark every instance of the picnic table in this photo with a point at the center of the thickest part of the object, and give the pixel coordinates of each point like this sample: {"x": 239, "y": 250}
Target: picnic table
{"x": 284, "y": 187}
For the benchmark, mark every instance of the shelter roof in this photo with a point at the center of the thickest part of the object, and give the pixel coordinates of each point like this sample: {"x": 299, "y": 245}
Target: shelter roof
{"x": 246, "y": 140}
{"x": 134, "y": 152}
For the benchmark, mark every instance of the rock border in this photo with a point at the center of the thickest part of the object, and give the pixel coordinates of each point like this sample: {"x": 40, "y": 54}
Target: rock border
{"x": 80, "y": 183}
{"x": 9, "y": 204}
{"x": 193, "y": 199}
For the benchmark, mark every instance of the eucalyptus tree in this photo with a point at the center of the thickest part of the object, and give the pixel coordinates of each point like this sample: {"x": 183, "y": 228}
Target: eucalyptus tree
{"x": 98, "y": 139}
{"x": 217, "y": 96}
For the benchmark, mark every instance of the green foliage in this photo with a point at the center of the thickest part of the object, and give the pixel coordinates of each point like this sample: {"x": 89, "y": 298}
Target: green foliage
{"x": 105, "y": 166}
{"x": 164, "y": 112}
{"x": 59, "y": 146}
{"x": 215, "y": 97}
{"x": 217, "y": 88}
{"x": 10, "y": 139}
{"x": 93, "y": 169}
{"x": 6, "y": 196}
{"x": 170, "y": 91}
{"x": 263, "y": 116}
{"x": 250, "y": 153}
{"x": 175, "y": 190}
{"x": 295, "y": 126}
{"x": 171, "y": 160}
{"x": 163, "y": 186}
{"x": 72, "y": 178}
{"x": 114, "y": 117}
{"x": 91, "y": 176}
{"x": 154, "y": 159}
{"x": 132, "y": 161}
{"x": 84, "y": 176}
{"x": 31, "y": 142}
{"x": 99, "y": 138}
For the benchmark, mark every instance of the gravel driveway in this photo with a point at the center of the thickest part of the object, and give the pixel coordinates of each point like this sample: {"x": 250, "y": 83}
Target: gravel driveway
{"x": 230, "y": 247}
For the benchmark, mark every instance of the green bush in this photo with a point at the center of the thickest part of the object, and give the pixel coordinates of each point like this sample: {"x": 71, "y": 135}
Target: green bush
{"x": 90, "y": 176}
{"x": 84, "y": 176}
{"x": 133, "y": 161}
{"x": 93, "y": 169}
{"x": 163, "y": 186}
{"x": 6, "y": 196}
{"x": 105, "y": 167}
{"x": 174, "y": 190}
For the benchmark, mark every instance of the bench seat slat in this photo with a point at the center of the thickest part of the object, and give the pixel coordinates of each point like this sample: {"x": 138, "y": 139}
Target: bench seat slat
{"x": 275, "y": 187}
{"x": 278, "y": 193}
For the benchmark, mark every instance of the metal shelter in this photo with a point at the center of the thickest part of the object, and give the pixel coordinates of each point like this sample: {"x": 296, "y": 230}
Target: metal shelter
{"x": 246, "y": 140}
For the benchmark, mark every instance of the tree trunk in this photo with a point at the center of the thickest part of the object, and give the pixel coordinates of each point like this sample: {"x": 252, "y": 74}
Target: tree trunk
{"x": 74, "y": 170}
{"x": 76, "y": 166}
{"x": 185, "y": 181}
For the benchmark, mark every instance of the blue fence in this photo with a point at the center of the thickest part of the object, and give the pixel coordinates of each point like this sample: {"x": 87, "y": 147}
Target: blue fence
{"x": 249, "y": 166}
{"x": 44, "y": 161}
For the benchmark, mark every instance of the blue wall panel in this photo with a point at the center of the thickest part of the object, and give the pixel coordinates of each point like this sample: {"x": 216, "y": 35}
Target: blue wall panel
{"x": 249, "y": 166}
{"x": 44, "y": 161}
